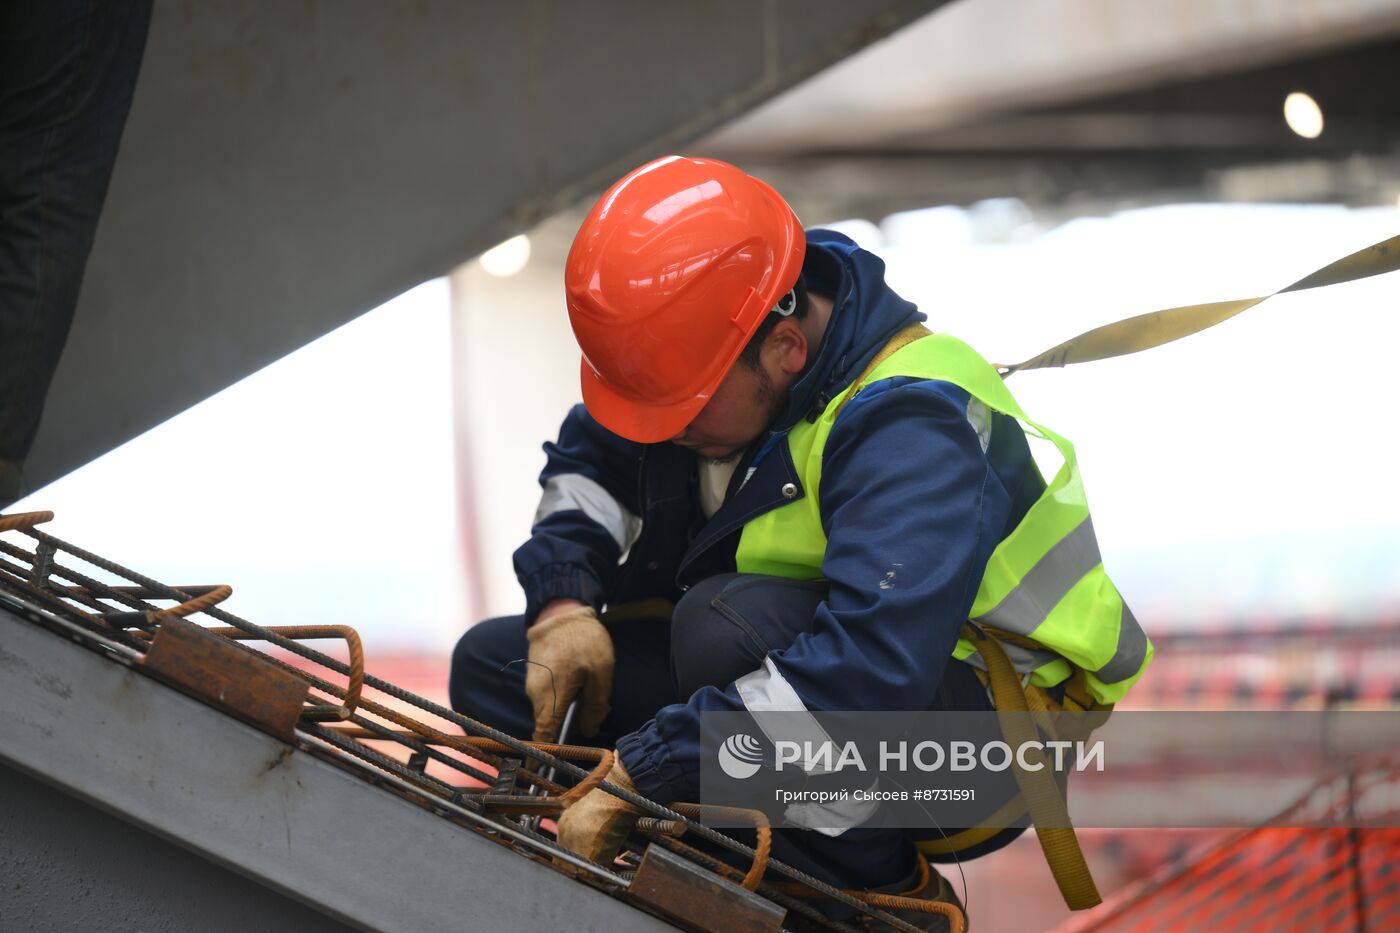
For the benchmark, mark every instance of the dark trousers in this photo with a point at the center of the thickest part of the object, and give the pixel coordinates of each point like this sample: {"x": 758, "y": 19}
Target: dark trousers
{"x": 722, "y": 629}
{"x": 67, "y": 73}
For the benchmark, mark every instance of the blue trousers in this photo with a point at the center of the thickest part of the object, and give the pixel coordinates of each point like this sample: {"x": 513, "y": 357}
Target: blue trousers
{"x": 67, "y": 74}
{"x": 722, "y": 629}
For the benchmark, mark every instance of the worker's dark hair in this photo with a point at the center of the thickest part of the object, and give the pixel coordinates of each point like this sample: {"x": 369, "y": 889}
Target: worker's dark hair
{"x": 749, "y": 355}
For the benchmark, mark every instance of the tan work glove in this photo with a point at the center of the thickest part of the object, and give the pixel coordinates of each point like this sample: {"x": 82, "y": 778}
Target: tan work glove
{"x": 571, "y": 655}
{"x": 598, "y": 823}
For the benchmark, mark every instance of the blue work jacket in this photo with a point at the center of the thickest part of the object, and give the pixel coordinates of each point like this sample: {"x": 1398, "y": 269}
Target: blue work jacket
{"x": 920, "y": 480}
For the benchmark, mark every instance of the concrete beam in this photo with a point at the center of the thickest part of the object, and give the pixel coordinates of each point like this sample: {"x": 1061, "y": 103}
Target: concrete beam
{"x": 287, "y": 167}
{"x": 71, "y": 866}
{"x": 308, "y": 830}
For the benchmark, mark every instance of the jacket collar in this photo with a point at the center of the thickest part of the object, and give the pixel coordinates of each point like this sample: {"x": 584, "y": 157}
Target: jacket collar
{"x": 865, "y": 314}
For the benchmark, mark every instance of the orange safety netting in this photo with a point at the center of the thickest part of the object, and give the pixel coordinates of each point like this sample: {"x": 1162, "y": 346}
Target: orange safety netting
{"x": 1277, "y": 879}
{"x": 1345, "y": 876}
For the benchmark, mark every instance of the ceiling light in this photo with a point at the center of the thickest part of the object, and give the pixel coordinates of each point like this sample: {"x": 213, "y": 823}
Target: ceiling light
{"x": 508, "y": 258}
{"x": 1303, "y": 115}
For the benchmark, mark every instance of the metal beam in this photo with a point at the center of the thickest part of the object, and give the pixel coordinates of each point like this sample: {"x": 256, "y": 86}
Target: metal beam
{"x": 69, "y": 866}
{"x": 303, "y": 827}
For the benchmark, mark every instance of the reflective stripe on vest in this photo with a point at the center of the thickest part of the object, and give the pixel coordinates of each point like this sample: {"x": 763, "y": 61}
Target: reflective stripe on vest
{"x": 1044, "y": 582}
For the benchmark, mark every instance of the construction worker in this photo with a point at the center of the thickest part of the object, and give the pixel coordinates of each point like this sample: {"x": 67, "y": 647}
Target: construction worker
{"x": 67, "y": 77}
{"x": 822, "y": 547}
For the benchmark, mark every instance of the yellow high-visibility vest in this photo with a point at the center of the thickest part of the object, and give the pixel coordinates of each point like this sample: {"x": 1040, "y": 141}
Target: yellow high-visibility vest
{"x": 1044, "y": 590}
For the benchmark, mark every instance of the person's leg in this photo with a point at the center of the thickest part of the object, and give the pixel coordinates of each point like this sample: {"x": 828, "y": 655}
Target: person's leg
{"x": 721, "y": 630}
{"x": 960, "y": 689}
{"x": 725, "y": 626}
{"x": 67, "y": 73}
{"x": 484, "y": 684}
{"x": 487, "y": 681}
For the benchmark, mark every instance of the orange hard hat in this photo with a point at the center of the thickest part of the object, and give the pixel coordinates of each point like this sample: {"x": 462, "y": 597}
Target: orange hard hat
{"x": 670, "y": 275}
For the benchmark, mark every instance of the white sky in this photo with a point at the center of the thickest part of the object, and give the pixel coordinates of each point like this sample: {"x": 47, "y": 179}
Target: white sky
{"x": 1227, "y": 472}
{"x": 1245, "y": 470}
{"x": 320, "y": 487}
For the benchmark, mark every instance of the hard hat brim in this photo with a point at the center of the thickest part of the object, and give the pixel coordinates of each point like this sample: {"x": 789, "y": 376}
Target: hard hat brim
{"x": 625, "y": 417}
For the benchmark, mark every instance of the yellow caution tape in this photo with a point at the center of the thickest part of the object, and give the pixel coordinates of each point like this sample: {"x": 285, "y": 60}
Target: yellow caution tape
{"x": 1146, "y": 331}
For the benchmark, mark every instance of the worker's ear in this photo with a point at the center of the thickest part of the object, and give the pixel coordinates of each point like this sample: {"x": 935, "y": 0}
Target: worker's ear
{"x": 786, "y": 347}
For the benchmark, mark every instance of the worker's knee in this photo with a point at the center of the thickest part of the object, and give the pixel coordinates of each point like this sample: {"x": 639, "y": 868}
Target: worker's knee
{"x": 482, "y": 672}
{"x": 725, "y": 625}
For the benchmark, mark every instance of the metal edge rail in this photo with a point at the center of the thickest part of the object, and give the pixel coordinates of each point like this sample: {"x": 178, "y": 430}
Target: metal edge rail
{"x": 91, "y": 592}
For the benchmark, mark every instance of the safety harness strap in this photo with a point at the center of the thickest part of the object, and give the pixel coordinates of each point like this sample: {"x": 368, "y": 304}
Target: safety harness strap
{"x": 1146, "y": 331}
{"x": 1042, "y": 795}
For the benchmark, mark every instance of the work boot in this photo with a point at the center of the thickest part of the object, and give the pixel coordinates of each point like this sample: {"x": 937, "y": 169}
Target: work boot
{"x": 11, "y": 483}
{"x": 935, "y": 888}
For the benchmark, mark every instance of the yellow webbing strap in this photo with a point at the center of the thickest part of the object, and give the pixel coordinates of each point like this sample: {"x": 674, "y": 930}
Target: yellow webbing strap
{"x": 1042, "y": 795}
{"x": 1158, "y": 327}
{"x": 1077, "y": 710}
{"x": 967, "y": 838}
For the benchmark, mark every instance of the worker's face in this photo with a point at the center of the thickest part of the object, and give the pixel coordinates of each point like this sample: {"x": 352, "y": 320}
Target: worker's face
{"x": 749, "y": 399}
{"x": 741, "y": 409}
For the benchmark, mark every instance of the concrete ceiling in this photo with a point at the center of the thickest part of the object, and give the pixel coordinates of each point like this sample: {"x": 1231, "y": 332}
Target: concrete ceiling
{"x": 1070, "y": 104}
{"x": 287, "y": 167}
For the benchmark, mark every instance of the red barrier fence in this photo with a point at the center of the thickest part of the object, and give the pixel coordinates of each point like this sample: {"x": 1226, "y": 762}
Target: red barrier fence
{"x": 1345, "y": 878}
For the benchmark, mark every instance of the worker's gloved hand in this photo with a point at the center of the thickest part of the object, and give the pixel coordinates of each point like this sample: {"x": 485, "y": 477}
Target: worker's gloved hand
{"x": 571, "y": 655}
{"x": 597, "y": 823}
